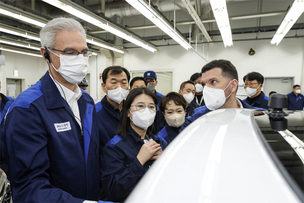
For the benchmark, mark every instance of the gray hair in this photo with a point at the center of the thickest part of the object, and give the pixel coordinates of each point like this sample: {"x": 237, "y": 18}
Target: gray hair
{"x": 49, "y": 31}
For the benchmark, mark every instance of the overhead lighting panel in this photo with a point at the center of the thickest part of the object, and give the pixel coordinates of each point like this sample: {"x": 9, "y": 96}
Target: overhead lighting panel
{"x": 19, "y": 52}
{"x": 17, "y": 32}
{"x": 219, "y": 8}
{"x": 291, "y": 17}
{"x": 85, "y": 15}
{"x": 19, "y": 45}
{"x": 149, "y": 12}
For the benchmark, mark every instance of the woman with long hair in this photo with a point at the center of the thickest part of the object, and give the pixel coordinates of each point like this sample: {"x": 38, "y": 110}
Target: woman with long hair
{"x": 129, "y": 154}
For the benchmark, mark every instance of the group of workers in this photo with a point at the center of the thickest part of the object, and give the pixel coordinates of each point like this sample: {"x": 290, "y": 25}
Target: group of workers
{"x": 62, "y": 147}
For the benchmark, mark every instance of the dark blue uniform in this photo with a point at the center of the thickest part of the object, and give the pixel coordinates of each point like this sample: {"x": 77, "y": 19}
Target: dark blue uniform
{"x": 190, "y": 109}
{"x": 121, "y": 170}
{"x": 200, "y": 111}
{"x": 158, "y": 96}
{"x": 295, "y": 102}
{"x": 108, "y": 119}
{"x": 168, "y": 133}
{"x": 260, "y": 101}
{"x": 198, "y": 100}
{"x": 50, "y": 158}
{"x": 160, "y": 117}
{"x": 5, "y": 104}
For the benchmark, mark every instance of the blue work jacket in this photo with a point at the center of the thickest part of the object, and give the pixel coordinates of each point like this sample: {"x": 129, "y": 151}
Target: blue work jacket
{"x": 50, "y": 158}
{"x": 121, "y": 170}
{"x": 295, "y": 102}
{"x": 168, "y": 133}
{"x": 108, "y": 119}
{"x": 158, "y": 96}
{"x": 200, "y": 111}
{"x": 190, "y": 109}
{"x": 5, "y": 104}
{"x": 260, "y": 102}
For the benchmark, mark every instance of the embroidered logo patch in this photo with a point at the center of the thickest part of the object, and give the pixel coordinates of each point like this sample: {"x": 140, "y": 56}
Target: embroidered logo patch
{"x": 61, "y": 127}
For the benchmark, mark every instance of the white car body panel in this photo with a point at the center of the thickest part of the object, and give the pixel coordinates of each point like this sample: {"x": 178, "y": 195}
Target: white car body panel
{"x": 218, "y": 158}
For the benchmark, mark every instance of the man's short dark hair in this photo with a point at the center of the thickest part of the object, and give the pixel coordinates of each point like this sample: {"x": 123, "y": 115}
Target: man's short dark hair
{"x": 182, "y": 86}
{"x": 254, "y": 76}
{"x": 295, "y": 86}
{"x": 172, "y": 96}
{"x": 114, "y": 70}
{"x": 137, "y": 78}
{"x": 228, "y": 69}
{"x": 195, "y": 76}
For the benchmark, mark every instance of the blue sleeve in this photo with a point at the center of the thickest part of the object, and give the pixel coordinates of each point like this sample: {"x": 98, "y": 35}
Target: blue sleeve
{"x": 190, "y": 119}
{"x": 119, "y": 176}
{"x": 28, "y": 159}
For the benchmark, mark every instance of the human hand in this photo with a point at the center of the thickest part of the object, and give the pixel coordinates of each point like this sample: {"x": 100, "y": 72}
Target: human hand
{"x": 156, "y": 154}
{"x": 147, "y": 151}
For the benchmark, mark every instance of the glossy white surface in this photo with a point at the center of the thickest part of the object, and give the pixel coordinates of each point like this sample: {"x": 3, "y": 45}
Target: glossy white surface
{"x": 218, "y": 158}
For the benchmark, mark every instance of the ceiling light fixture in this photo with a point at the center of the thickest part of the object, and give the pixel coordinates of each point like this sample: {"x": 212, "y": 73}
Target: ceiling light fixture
{"x": 19, "y": 52}
{"x": 92, "y": 41}
{"x": 149, "y": 12}
{"x": 291, "y": 17}
{"x": 25, "y": 35}
{"x": 21, "y": 17}
{"x": 83, "y": 14}
{"x": 219, "y": 8}
{"x": 19, "y": 45}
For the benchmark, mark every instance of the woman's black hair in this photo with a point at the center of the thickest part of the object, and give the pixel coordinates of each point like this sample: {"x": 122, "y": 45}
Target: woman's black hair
{"x": 172, "y": 96}
{"x": 124, "y": 121}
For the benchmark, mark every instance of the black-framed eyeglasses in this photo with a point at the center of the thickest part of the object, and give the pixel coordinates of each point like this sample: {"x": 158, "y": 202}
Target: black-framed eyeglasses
{"x": 140, "y": 106}
{"x": 85, "y": 53}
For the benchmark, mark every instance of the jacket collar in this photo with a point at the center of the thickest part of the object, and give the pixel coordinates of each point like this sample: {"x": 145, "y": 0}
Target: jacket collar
{"x": 51, "y": 94}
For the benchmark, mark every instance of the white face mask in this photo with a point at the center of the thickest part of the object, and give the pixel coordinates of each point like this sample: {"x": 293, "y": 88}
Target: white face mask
{"x": 143, "y": 119}
{"x": 176, "y": 120}
{"x": 118, "y": 94}
{"x": 188, "y": 97}
{"x": 215, "y": 98}
{"x": 251, "y": 91}
{"x": 198, "y": 88}
{"x": 298, "y": 91}
{"x": 73, "y": 69}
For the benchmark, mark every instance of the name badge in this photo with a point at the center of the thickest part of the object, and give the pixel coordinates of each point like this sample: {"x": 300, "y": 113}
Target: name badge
{"x": 61, "y": 127}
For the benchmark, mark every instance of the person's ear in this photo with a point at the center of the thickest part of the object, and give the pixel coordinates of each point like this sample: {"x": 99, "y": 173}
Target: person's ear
{"x": 155, "y": 82}
{"x": 45, "y": 54}
{"x": 104, "y": 88}
{"x": 234, "y": 85}
{"x": 180, "y": 92}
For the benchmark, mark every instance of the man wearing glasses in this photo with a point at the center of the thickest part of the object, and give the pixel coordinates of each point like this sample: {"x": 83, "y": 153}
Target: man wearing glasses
{"x": 253, "y": 83}
{"x": 52, "y": 139}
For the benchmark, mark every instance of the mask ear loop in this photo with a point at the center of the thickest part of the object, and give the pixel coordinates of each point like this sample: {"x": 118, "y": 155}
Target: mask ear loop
{"x": 226, "y": 88}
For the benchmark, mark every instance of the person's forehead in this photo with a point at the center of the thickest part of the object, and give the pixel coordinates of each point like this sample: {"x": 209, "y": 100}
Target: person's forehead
{"x": 213, "y": 73}
{"x": 70, "y": 39}
{"x": 119, "y": 76}
{"x": 189, "y": 86}
{"x": 171, "y": 105}
{"x": 139, "y": 82}
{"x": 143, "y": 98}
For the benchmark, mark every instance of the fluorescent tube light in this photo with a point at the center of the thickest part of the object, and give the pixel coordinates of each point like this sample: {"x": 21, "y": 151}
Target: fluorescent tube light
{"x": 19, "y": 52}
{"x": 155, "y": 18}
{"x": 91, "y": 41}
{"x": 291, "y": 17}
{"x": 220, "y": 12}
{"x": 19, "y": 45}
{"x": 21, "y": 17}
{"x": 19, "y": 34}
{"x": 98, "y": 22}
